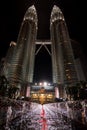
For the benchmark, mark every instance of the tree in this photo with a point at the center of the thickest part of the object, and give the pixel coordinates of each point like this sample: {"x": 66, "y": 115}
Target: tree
{"x": 3, "y": 85}
{"x": 12, "y": 91}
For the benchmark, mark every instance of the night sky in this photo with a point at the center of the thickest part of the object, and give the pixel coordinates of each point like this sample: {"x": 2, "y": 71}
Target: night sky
{"x": 12, "y": 13}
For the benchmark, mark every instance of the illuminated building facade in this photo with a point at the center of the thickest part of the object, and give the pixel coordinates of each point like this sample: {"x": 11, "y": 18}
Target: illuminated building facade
{"x": 64, "y": 71}
{"x": 62, "y": 54}
{"x": 22, "y": 60}
{"x": 23, "y": 55}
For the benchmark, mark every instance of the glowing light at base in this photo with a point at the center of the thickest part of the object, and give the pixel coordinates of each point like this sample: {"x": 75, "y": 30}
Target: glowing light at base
{"x": 45, "y": 84}
{"x": 56, "y": 92}
{"x": 28, "y": 92}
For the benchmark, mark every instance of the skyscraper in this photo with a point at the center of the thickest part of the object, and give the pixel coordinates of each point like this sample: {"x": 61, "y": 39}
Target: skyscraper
{"x": 22, "y": 63}
{"x": 64, "y": 71}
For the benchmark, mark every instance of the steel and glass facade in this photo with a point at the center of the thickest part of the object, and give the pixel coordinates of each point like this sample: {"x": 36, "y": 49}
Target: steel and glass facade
{"x": 22, "y": 62}
{"x": 62, "y": 55}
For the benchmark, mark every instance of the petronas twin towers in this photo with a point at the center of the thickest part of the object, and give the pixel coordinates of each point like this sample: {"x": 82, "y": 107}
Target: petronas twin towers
{"x": 23, "y": 55}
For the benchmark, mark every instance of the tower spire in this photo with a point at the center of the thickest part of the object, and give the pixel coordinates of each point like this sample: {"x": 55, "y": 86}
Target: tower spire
{"x": 56, "y": 14}
{"x": 31, "y": 14}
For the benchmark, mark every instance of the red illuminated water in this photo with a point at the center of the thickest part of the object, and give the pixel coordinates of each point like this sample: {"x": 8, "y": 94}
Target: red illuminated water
{"x": 43, "y": 119}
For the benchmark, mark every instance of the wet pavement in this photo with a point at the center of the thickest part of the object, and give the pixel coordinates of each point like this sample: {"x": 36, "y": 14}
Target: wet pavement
{"x": 21, "y": 115}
